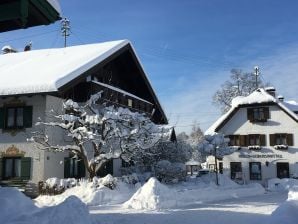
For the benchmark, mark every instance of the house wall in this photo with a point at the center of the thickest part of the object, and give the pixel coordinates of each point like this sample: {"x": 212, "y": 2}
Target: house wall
{"x": 279, "y": 122}
{"x": 18, "y": 138}
{"x": 54, "y": 161}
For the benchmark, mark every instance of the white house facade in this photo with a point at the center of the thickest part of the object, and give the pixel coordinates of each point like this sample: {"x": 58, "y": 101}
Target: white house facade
{"x": 263, "y": 130}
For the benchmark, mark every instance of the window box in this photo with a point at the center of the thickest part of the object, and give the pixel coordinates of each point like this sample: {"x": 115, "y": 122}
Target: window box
{"x": 280, "y": 147}
{"x": 254, "y": 147}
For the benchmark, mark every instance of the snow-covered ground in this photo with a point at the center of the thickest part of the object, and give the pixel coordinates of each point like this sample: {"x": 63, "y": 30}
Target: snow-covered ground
{"x": 198, "y": 200}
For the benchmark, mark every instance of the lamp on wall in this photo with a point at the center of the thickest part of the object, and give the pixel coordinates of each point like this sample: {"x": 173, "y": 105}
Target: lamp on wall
{"x": 267, "y": 163}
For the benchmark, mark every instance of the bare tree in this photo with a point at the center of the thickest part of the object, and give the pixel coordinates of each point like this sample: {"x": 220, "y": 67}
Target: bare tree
{"x": 240, "y": 84}
{"x": 100, "y": 133}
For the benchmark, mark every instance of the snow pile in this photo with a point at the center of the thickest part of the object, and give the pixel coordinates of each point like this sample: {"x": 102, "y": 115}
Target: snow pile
{"x": 286, "y": 213}
{"x": 98, "y": 192}
{"x": 284, "y": 184}
{"x": 17, "y": 208}
{"x": 152, "y": 196}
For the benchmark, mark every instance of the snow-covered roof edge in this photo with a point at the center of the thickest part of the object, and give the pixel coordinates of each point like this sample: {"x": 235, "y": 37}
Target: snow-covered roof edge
{"x": 56, "y": 5}
{"x": 151, "y": 87}
{"x": 269, "y": 99}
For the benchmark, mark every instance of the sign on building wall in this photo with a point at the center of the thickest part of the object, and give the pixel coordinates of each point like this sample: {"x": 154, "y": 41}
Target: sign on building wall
{"x": 262, "y": 156}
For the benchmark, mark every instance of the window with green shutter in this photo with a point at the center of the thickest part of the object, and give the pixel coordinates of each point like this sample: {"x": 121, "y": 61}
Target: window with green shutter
{"x": 2, "y": 117}
{"x": 26, "y": 168}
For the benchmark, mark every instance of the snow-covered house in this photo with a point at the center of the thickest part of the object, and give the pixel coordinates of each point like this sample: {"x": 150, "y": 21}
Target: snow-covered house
{"x": 263, "y": 130}
{"x": 36, "y": 82}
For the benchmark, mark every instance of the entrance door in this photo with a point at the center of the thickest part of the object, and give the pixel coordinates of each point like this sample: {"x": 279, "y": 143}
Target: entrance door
{"x": 282, "y": 170}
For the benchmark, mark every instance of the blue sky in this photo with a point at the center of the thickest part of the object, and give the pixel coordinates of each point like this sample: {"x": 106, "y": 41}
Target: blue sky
{"x": 187, "y": 47}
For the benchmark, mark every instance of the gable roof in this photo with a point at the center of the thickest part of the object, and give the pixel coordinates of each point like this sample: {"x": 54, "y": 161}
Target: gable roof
{"x": 48, "y": 69}
{"x": 258, "y": 97}
{"x": 51, "y": 70}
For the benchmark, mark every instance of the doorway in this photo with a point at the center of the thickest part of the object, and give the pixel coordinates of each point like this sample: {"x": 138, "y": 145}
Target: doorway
{"x": 282, "y": 170}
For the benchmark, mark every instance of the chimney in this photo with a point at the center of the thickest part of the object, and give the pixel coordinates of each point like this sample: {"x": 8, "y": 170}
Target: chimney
{"x": 270, "y": 90}
{"x": 280, "y": 98}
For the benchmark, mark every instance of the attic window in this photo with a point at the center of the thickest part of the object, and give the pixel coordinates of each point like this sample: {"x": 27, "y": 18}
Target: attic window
{"x": 129, "y": 102}
{"x": 258, "y": 114}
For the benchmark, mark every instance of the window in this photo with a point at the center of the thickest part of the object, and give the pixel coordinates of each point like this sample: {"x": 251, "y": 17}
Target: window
{"x": 236, "y": 170}
{"x": 258, "y": 114}
{"x": 12, "y": 168}
{"x": 16, "y": 117}
{"x": 234, "y": 140}
{"x": 74, "y": 168}
{"x": 255, "y": 171}
{"x": 15, "y": 168}
{"x": 281, "y": 139}
{"x": 256, "y": 139}
{"x": 129, "y": 102}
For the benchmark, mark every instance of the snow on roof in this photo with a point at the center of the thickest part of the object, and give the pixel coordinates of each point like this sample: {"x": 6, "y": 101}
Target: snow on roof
{"x": 259, "y": 96}
{"x": 56, "y": 5}
{"x": 292, "y": 105}
{"x": 121, "y": 91}
{"x": 49, "y": 69}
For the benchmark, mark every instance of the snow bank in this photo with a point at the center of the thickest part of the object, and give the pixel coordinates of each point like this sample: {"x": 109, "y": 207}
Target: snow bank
{"x": 286, "y": 213}
{"x": 285, "y": 184}
{"x": 15, "y": 207}
{"x": 92, "y": 193}
{"x": 152, "y": 196}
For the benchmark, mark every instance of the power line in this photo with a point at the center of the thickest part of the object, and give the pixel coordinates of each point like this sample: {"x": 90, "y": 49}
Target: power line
{"x": 28, "y": 36}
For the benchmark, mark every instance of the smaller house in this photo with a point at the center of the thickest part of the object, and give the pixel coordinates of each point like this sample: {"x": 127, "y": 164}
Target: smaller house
{"x": 263, "y": 130}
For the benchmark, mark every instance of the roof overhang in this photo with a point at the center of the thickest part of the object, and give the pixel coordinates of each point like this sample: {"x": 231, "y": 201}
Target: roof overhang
{"x": 20, "y": 14}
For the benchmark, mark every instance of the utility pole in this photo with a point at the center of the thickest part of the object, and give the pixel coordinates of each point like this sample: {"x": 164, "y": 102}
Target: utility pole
{"x": 65, "y": 29}
{"x": 257, "y": 73}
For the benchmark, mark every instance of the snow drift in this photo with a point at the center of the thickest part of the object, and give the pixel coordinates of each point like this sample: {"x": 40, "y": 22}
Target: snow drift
{"x": 286, "y": 213}
{"x": 154, "y": 196}
{"x": 92, "y": 193}
{"x": 17, "y": 208}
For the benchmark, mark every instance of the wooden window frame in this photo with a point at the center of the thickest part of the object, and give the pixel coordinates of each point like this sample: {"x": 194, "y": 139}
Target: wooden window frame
{"x": 234, "y": 139}
{"x": 258, "y": 114}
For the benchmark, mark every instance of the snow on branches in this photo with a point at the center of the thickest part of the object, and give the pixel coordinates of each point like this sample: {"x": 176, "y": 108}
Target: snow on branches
{"x": 100, "y": 133}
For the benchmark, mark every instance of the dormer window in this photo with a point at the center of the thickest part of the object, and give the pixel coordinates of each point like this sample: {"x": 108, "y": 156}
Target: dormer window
{"x": 258, "y": 114}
